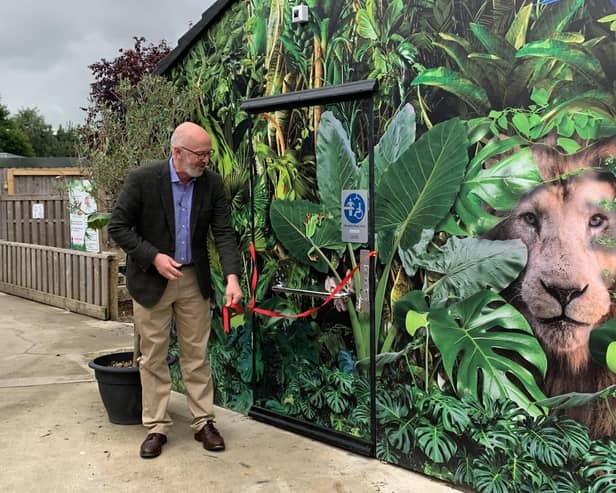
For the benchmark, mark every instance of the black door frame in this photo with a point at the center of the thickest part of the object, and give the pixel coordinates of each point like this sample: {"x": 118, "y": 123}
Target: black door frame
{"x": 353, "y": 91}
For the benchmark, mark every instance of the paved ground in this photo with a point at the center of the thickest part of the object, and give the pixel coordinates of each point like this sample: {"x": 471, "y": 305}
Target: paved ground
{"x": 55, "y": 436}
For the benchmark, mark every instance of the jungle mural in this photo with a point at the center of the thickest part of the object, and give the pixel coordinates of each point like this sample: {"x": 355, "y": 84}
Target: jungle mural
{"x": 495, "y": 193}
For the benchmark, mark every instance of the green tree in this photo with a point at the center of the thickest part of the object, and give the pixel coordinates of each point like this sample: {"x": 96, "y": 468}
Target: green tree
{"x": 12, "y": 138}
{"x": 66, "y": 141}
{"x": 112, "y": 143}
{"x": 39, "y": 132}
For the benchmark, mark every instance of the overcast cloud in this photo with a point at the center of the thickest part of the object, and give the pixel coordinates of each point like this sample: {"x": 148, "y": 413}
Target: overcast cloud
{"x": 46, "y": 46}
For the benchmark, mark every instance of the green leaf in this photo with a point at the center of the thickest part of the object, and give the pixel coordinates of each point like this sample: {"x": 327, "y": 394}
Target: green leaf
{"x": 576, "y": 436}
{"x": 597, "y": 101}
{"x": 540, "y": 96}
{"x": 417, "y": 192}
{"x": 413, "y": 300}
{"x": 458, "y": 54}
{"x": 494, "y": 45}
{"x": 383, "y": 359}
{"x": 600, "y": 466}
{"x": 472, "y": 334}
{"x": 336, "y": 401}
{"x": 336, "y": 166}
{"x": 450, "y": 81}
{"x": 366, "y": 25}
{"x": 448, "y": 410}
{"x": 414, "y": 321}
{"x": 516, "y": 35}
{"x": 436, "y": 443}
{"x": 555, "y": 17}
{"x": 469, "y": 265}
{"x": 398, "y": 137}
{"x": 522, "y": 123}
{"x": 569, "y": 145}
{"x": 473, "y": 215}
{"x": 288, "y": 221}
{"x": 545, "y": 443}
{"x": 565, "y": 53}
{"x": 503, "y": 184}
{"x": 574, "y": 399}
{"x": 98, "y": 220}
{"x": 410, "y": 256}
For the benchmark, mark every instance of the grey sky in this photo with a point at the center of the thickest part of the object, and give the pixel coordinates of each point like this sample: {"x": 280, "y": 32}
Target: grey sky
{"x": 46, "y": 46}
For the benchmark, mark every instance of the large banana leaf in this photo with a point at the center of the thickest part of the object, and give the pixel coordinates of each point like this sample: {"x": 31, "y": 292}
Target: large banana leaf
{"x": 366, "y": 25}
{"x": 494, "y": 45}
{"x": 396, "y": 140}
{"x": 599, "y": 101}
{"x": 417, "y": 192}
{"x": 566, "y": 53}
{"x": 469, "y": 265}
{"x": 289, "y": 219}
{"x": 555, "y": 17}
{"x": 336, "y": 166}
{"x": 516, "y": 35}
{"x": 473, "y": 335}
{"x": 451, "y": 81}
{"x": 457, "y": 52}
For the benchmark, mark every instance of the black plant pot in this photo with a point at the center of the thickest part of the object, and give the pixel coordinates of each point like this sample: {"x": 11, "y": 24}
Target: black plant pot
{"x": 120, "y": 388}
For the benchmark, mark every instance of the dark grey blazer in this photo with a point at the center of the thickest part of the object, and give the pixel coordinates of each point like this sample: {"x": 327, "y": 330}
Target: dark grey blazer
{"x": 143, "y": 224}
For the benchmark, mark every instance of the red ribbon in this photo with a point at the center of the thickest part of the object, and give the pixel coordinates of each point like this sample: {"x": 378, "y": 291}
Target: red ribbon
{"x": 226, "y": 315}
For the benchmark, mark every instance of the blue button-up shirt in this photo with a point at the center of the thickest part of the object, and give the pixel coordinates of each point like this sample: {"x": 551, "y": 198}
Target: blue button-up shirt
{"x": 182, "y": 205}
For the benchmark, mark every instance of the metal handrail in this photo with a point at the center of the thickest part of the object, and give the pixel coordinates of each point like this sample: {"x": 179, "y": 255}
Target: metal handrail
{"x": 313, "y": 293}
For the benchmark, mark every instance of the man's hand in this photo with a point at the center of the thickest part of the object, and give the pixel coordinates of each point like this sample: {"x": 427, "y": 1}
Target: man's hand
{"x": 167, "y": 267}
{"x": 233, "y": 292}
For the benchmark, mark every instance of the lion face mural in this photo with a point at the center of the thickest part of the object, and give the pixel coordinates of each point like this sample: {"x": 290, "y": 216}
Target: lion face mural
{"x": 564, "y": 291}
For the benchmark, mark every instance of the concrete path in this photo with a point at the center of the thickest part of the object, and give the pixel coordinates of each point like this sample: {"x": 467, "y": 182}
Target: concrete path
{"x": 55, "y": 435}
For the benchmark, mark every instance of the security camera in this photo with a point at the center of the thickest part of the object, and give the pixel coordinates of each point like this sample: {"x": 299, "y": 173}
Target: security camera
{"x": 299, "y": 13}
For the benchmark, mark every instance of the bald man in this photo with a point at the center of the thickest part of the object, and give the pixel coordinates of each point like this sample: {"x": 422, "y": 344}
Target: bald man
{"x": 161, "y": 220}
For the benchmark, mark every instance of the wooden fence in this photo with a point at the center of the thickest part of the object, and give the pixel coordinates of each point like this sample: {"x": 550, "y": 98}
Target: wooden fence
{"x": 81, "y": 282}
{"x": 17, "y": 224}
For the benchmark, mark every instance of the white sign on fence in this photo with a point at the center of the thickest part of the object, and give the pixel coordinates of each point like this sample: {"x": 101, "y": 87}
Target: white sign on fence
{"x": 38, "y": 211}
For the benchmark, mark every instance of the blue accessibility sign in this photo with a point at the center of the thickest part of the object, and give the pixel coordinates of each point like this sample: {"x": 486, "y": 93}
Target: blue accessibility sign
{"x": 354, "y": 216}
{"x": 354, "y": 208}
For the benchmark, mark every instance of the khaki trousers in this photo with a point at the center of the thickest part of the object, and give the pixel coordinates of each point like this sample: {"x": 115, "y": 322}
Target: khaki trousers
{"x": 183, "y": 299}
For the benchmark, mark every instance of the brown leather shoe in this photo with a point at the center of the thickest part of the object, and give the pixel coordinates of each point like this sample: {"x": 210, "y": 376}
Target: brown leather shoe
{"x": 152, "y": 446}
{"x": 210, "y": 437}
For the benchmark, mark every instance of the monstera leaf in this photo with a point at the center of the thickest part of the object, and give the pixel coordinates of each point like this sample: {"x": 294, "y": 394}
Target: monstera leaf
{"x": 500, "y": 185}
{"x": 435, "y": 442}
{"x": 416, "y": 192}
{"x": 336, "y": 166}
{"x": 472, "y": 336}
{"x": 304, "y": 228}
{"x": 469, "y": 265}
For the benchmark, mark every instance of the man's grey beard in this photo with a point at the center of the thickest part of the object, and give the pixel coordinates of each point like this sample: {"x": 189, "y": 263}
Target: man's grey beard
{"x": 194, "y": 172}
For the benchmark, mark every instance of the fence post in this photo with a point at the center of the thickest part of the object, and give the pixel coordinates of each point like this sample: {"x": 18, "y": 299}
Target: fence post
{"x": 113, "y": 287}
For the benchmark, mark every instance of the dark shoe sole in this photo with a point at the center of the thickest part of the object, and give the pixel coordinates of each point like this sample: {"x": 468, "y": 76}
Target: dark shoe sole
{"x": 149, "y": 456}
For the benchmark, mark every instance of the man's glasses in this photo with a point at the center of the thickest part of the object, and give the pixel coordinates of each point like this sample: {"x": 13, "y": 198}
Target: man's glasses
{"x": 200, "y": 154}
